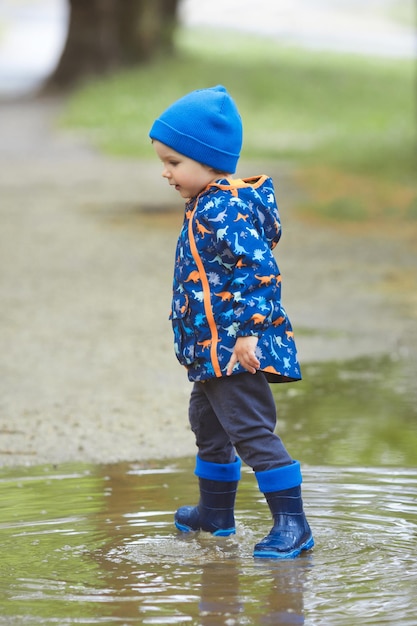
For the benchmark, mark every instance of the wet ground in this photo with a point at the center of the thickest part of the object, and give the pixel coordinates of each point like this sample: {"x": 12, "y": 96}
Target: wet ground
{"x": 96, "y": 545}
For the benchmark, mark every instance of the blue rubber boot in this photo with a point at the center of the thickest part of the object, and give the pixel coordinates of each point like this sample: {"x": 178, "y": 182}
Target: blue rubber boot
{"x": 215, "y": 511}
{"x": 290, "y": 534}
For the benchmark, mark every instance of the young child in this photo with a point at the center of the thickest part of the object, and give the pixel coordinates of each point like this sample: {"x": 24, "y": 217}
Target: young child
{"x": 231, "y": 331}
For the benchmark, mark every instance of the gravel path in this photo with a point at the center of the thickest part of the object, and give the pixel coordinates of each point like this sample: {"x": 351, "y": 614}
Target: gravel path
{"x": 87, "y": 370}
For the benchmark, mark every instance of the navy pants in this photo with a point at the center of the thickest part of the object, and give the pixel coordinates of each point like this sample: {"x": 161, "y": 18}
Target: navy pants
{"x": 237, "y": 414}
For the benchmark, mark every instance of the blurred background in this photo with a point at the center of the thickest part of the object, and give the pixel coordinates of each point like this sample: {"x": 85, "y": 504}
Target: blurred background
{"x": 33, "y": 32}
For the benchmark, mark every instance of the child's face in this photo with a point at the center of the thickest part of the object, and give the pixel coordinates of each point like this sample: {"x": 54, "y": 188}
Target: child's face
{"x": 187, "y": 176}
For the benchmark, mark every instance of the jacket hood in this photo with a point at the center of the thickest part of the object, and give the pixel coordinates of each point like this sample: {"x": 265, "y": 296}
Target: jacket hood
{"x": 258, "y": 194}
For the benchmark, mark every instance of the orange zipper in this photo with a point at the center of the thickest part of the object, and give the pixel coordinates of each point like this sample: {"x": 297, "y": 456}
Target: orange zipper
{"x": 206, "y": 296}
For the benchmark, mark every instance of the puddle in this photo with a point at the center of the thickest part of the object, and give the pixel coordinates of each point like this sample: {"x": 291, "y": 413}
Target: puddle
{"x": 361, "y": 412}
{"x": 95, "y": 544}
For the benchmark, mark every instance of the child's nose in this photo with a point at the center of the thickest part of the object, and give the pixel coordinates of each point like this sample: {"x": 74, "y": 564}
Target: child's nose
{"x": 165, "y": 173}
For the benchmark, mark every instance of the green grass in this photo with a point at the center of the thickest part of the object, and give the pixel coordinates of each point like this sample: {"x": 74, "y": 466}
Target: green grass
{"x": 402, "y": 12}
{"x": 351, "y": 113}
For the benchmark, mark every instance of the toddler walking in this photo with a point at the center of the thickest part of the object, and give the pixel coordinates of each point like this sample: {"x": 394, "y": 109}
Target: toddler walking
{"x": 231, "y": 331}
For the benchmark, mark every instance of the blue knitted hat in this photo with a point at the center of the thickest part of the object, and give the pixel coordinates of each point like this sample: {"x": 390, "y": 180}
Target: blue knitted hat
{"x": 205, "y": 126}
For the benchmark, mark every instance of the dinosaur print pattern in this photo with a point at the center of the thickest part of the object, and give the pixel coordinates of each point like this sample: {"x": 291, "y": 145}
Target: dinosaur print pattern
{"x": 227, "y": 283}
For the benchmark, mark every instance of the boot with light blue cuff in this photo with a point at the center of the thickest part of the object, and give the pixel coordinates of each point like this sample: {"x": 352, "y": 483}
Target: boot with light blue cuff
{"x": 215, "y": 510}
{"x": 290, "y": 534}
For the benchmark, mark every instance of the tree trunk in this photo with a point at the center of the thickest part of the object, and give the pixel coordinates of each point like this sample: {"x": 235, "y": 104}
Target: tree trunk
{"x": 104, "y": 35}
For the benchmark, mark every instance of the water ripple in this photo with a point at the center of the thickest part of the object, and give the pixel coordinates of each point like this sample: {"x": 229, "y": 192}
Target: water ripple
{"x": 99, "y": 547}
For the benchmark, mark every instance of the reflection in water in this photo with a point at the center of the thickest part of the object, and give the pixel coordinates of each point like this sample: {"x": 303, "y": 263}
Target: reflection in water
{"x": 84, "y": 544}
{"x": 355, "y": 413}
{"x": 96, "y": 545}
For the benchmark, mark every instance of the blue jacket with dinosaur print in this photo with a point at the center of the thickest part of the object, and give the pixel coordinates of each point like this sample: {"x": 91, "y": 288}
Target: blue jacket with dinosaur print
{"x": 227, "y": 283}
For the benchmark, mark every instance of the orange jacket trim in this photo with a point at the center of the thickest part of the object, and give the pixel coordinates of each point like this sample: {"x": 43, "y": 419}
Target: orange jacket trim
{"x": 206, "y": 296}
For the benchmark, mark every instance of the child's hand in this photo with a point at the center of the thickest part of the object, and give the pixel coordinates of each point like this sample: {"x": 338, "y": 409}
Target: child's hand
{"x": 244, "y": 353}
